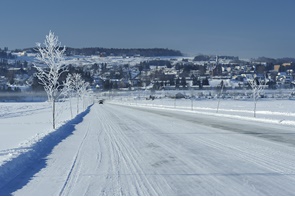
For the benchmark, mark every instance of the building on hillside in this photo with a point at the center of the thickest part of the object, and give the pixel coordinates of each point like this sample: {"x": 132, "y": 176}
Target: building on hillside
{"x": 3, "y": 83}
{"x": 277, "y": 67}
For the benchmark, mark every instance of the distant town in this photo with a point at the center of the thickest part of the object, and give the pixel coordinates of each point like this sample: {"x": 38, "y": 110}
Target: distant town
{"x": 149, "y": 69}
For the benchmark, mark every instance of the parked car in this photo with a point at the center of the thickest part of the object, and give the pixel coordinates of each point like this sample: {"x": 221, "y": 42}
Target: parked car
{"x": 100, "y": 102}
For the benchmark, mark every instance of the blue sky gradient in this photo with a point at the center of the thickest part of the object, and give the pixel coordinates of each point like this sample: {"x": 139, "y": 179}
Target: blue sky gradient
{"x": 244, "y": 28}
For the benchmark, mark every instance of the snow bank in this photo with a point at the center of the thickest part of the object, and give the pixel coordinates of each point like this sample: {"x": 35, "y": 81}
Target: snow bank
{"x": 269, "y": 111}
{"x": 41, "y": 145}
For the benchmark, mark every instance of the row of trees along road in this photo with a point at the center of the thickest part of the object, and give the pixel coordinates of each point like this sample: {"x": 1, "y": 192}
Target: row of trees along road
{"x": 50, "y": 67}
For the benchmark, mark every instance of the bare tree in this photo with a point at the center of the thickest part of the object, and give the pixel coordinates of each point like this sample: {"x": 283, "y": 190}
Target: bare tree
{"x": 49, "y": 67}
{"x": 220, "y": 95}
{"x": 68, "y": 90}
{"x": 77, "y": 84}
{"x": 211, "y": 69}
{"x": 192, "y": 98}
{"x": 82, "y": 91}
{"x": 257, "y": 86}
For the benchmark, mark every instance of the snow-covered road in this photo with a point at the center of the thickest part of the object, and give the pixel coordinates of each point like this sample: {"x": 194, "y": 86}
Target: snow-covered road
{"x": 118, "y": 150}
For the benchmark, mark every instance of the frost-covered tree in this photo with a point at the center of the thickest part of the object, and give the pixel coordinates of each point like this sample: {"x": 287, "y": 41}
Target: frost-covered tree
{"x": 68, "y": 90}
{"x": 82, "y": 91}
{"x": 75, "y": 85}
{"x": 257, "y": 86}
{"x": 49, "y": 67}
{"x": 78, "y": 82}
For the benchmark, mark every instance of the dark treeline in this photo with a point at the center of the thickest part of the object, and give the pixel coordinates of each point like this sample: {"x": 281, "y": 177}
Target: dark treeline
{"x": 5, "y": 55}
{"x": 121, "y": 52}
{"x": 273, "y": 60}
{"x": 152, "y": 52}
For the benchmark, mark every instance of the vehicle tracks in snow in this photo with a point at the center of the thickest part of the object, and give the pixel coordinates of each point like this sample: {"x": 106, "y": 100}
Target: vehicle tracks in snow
{"x": 70, "y": 176}
{"x": 123, "y": 151}
{"x": 263, "y": 130}
{"x": 124, "y": 158}
{"x": 253, "y": 156}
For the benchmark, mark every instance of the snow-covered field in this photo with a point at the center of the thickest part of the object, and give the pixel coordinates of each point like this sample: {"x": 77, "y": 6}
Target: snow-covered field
{"x": 132, "y": 146}
{"x": 24, "y": 124}
{"x": 268, "y": 110}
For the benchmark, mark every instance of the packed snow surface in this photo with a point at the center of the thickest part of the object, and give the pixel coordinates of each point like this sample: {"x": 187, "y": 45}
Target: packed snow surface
{"x": 146, "y": 148}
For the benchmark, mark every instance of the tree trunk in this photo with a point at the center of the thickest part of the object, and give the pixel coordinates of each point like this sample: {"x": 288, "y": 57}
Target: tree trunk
{"x": 83, "y": 101}
{"x": 77, "y": 105}
{"x": 254, "y": 100}
{"x": 71, "y": 107}
{"x": 218, "y": 105}
{"x": 53, "y": 113}
{"x": 175, "y": 102}
{"x": 255, "y": 108}
{"x": 221, "y": 91}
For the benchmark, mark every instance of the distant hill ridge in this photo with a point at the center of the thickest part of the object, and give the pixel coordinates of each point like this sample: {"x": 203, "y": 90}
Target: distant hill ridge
{"x": 146, "y": 52}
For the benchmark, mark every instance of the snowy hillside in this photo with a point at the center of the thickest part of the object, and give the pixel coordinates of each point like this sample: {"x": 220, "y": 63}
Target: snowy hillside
{"x": 81, "y": 60}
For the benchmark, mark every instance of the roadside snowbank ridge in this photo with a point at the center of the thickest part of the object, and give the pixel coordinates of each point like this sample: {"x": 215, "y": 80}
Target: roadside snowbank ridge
{"x": 23, "y": 157}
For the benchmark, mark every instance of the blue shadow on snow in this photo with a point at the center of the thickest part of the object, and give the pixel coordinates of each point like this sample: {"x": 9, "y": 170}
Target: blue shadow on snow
{"x": 19, "y": 171}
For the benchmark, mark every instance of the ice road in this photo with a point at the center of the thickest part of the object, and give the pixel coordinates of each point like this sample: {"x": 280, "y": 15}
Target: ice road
{"x": 120, "y": 150}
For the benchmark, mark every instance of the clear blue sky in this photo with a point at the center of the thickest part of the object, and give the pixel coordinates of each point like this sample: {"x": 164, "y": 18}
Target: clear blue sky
{"x": 244, "y": 28}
